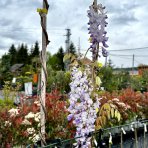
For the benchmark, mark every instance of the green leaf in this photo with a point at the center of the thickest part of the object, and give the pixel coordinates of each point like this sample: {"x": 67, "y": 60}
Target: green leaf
{"x": 98, "y": 81}
{"x": 73, "y": 58}
{"x": 112, "y": 112}
{"x": 67, "y": 57}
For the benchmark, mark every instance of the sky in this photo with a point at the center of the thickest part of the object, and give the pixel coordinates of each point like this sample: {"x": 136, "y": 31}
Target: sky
{"x": 127, "y": 27}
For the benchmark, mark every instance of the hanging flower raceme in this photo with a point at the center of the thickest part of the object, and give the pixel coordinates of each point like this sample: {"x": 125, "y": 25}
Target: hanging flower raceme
{"x": 97, "y": 24}
{"x": 82, "y": 109}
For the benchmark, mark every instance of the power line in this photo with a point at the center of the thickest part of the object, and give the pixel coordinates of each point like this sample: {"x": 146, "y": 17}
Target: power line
{"x": 126, "y": 50}
{"x": 129, "y": 58}
{"x": 27, "y": 31}
{"x": 30, "y": 28}
{"x": 127, "y": 55}
{"x": 140, "y": 48}
{"x": 124, "y": 57}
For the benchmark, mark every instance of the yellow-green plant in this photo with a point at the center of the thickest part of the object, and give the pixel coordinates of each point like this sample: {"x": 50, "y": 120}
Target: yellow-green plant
{"x": 107, "y": 112}
{"x": 9, "y": 92}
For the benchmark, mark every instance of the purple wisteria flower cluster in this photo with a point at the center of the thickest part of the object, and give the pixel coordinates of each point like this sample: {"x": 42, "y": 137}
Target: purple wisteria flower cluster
{"x": 97, "y": 24}
{"x": 82, "y": 108}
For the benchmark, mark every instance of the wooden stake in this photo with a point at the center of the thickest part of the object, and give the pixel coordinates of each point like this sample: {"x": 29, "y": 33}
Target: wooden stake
{"x": 95, "y": 5}
{"x": 144, "y": 143}
{"x": 43, "y": 78}
{"x": 121, "y": 145}
{"x": 94, "y": 59}
{"x": 136, "y": 139}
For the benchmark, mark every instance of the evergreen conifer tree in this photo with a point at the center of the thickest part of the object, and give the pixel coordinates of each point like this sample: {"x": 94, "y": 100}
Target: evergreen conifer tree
{"x": 12, "y": 52}
{"x": 72, "y": 49}
{"x": 22, "y": 54}
{"x": 35, "y": 50}
{"x": 60, "y": 56}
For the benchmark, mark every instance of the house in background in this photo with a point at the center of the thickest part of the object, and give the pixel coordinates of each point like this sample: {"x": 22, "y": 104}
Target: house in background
{"x": 16, "y": 69}
{"x": 132, "y": 71}
{"x": 142, "y": 68}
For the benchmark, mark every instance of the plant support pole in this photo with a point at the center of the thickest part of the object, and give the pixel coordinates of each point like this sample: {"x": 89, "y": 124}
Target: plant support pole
{"x": 121, "y": 145}
{"x": 95, "y": 6}
{"x": 43, "y": 14}
{"x": 136, "y": 138}
{"x": 144, "y": 143}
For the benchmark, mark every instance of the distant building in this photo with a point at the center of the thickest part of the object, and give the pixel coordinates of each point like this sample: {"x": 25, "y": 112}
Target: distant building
{"x": 16, "y": 69}
{"x": 141, "y": 68}
{"x": 132, "y": 71}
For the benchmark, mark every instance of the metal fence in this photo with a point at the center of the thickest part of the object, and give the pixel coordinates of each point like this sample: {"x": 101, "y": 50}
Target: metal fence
{"x": 130, "y": 143}
{"x": 131, "y": 135}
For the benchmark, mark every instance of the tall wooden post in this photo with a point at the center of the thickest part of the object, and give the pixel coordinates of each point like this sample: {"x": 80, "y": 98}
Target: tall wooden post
{"x": 43, "y": 79}
{"x": 95, "y": 5}
{"x": 43, "y": 14}
{"x": 121, "y": 140}
{"x": 94, "y": 59}
{"x": 136, "y": 138}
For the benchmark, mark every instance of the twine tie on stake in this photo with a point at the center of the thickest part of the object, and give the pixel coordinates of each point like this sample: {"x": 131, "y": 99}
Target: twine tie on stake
{"x": 132, "y": 128}
{"x": 123, "y": 130}
{"x": 95, "y": 142}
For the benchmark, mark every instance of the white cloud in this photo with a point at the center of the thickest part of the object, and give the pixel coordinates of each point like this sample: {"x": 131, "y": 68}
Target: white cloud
{"x": 127, "y": 28}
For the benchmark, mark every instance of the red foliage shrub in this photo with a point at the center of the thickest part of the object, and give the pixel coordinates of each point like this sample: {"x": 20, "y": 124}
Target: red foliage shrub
{"x": 56, "y": 123}
{"x": 131, "y": 98}
{"x": 12, "y": 131}
{"x": 129, "y": 102}
{"x": 144, "y": 105}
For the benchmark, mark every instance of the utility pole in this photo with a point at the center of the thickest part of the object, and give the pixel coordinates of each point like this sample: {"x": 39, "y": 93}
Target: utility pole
{"x": 79, "y": 48}
{"x": 133, "y": 61}
{"x": 43, "y": 14}
{"x": 68, "y": 34}
{"x": 67, "y": 42}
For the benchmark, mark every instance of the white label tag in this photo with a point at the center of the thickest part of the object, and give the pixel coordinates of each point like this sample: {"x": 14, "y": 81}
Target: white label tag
{"x": 132, "y": 128}
{"x": 95, "y": 142}
{"x": 110, "y": 138}
{"x": 145, "y": 128}
{"x": 123, "y": 130}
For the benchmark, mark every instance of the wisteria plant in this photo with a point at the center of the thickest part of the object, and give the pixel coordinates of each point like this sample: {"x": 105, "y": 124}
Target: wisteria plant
{"x": 82, "y": 108}
{"x": 97, "y": 24}
{"x": 83, "y": 100}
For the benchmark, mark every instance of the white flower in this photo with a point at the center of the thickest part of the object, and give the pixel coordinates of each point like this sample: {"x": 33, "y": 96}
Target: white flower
{"x": 37, "y": 117}
{"x": 30, "y": 115}
{"x": 13, "y": 112}
{"x": 122, "y": 104}
{"x": 116, "y": 99}
{"x": 128, "y": 107}
{"x": 7, "y": 123}
{"x": 37, "y": 103}
{"x": 30, "y": 130}
{"x": 26, "y": 122}
{"x": 39, "y": 124}
{"x": 35, "y": 138}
